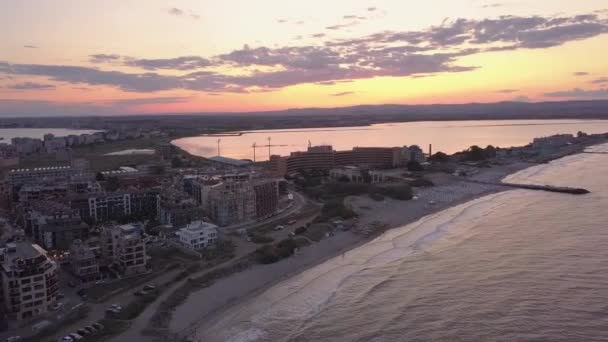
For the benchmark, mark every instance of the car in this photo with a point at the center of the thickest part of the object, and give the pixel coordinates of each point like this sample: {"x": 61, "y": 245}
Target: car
{"x": 82, "y": 332}
{"x": 76, "y": 336}
{"x": 116, "y": 306}
{"x": 13, "y": 338}
{"x": 97, "y": 326}
{"x": 292, "y": 233}
{"x": 149, "y": 287}
{"x": 279, "y": 227}
{"x": 56, "y": 306}
{"x": 90, "y": 329}
{"x": 71, "y": 284}
{"x": 60, "y": 295}
{"x": 66, "y": 339}
{"x": 291, "y": 222}
{"x": 81, "y": 292}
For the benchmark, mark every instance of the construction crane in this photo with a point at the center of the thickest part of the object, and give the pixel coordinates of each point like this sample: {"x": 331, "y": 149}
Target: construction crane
{"x": 269, "y": 145}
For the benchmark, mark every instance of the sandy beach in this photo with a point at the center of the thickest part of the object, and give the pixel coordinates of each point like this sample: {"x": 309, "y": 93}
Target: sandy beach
{"x": 448, "y": 191}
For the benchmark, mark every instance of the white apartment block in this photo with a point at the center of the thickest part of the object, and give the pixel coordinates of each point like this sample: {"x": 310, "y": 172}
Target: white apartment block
{"x": 198, "y": 235}
{"x": 123, "y": 248}
{"x": 29, "y": 280}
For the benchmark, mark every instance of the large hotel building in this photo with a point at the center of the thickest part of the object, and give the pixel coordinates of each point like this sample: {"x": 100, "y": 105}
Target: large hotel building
{"x": 324, "y": 158}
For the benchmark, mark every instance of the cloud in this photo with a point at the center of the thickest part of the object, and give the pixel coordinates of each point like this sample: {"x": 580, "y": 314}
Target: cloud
{"x": 329, "y": 83}
{"x": 178, "y": 12}
{"x": 148, "y": 100}
{"x": 179, "y": 63}
{"x": 30, "y": 46}
{"x": 175, "y": 11}
{"x": 580, "y": 73}
{"x": 355, "y": 17}
{"x": 521, "y": 98}
{"x": 346, "y": 93}
{"x": 341, "y": 26}
{"x": 507, "y": 91}
{"x": 578, "y": 93}
{"x": 104, "y": 58}
{"x": 318, "y": 35}
{"x": 31, "y": 86}
{"x": 494, "y": 5}
{"x": 282, "y": 21}
{"x": 600, "y": 80}
{"x": 372, "y": 9}
{"x": 427, "y": 52}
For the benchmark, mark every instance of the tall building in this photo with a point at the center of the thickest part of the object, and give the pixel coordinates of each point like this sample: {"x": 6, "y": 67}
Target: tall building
{"x": 231, "y": 203}
{"x": 123, "y": 249}
{"x": 18, "y": 177}
{"x": 9, "y": 156}
{"x": 266, "y": 197}
{"x": 29, "y": 280}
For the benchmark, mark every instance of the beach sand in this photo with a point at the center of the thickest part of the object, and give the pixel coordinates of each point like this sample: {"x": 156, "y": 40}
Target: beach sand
{"x": 207, "y": 305}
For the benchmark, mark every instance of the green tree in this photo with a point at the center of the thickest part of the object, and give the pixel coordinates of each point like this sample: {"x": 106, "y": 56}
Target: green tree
{"x": 414, "y": 165}
{"x": 476, "y": 153}
{"x": 439, "y": 157}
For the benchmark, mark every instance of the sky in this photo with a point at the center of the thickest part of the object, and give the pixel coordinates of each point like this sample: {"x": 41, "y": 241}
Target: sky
{"x": 104, "y": 57}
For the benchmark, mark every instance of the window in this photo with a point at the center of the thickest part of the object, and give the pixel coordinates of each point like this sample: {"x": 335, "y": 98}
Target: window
{"x": 26, "y": 281}
{"x": 26, "y": 289}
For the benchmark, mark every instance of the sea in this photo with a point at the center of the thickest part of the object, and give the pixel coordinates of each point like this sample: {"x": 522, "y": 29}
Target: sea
{"x": 518, "y": 265}
{"x": 446, "y": 136}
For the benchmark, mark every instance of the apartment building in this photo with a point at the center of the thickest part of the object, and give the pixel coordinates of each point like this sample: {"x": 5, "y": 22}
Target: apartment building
{"x": 123, "y": 249}
{"x": 104, "y": 207}
{"x": 231, "y": 202}
{"x": 266, "y": 192}
{"x": 29, "y": 280}
{"x": 18, "y": 177}
{"x": 51, "y": 224}
{"x": 84, "y": 263}
{"x": 198, "y": 235}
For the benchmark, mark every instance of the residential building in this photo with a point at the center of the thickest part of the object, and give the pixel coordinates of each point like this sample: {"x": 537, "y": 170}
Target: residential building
{"x": 266, "y": 193}
{"x": 178, "y": 209}
{"x": 9, "y": 156}
{"x": 29, "y": 280}
{"x": 231, "y": 203}
{"x": 553, "y": 141}
{"x": 123, "y": 249}
{"x": 415, "y": 153}
{"x": 18, "y": 177}
{"x": 84, "y": 263}
{"x": 198, "y": 235}
{"x": 103, "y": 207}
{"x": 51, "y": 224}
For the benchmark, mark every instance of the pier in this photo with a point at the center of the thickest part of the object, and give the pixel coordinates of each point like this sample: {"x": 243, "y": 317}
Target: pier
{"x": 549, "y": 188}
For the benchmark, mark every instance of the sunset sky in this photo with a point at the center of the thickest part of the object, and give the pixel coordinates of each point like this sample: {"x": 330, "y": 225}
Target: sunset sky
{"x": 84, "y": 57}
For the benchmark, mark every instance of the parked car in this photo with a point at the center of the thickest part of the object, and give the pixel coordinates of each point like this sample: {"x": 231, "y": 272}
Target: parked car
{"x": 82, "y": 332}
{"x": 13, "y": 338}
{"x": 76, "y": 336}
{"x": 66, "y": 339}
{"x": 81, "y": 292}
{"x": 71, "y": 284}
{"x": 149, "y": 287}
{"x": 56, "y": 306}
{"x": 90, "y": 329}
{"x": 291, "y": 222}
{"x": 279, "y": 227}
{"x": 97, "y": 326}
{"x": 60, "y": 295}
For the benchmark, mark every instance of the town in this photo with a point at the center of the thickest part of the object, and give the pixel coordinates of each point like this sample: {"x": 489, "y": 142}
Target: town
{"x": 90, "y": 241}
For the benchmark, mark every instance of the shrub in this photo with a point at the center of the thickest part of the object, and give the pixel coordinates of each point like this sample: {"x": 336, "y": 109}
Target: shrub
{"x": 376, "y": 197}
{"x": 413, "y": 165}
{"x": 260, "y": 238}
{"x": 421, "y": 182}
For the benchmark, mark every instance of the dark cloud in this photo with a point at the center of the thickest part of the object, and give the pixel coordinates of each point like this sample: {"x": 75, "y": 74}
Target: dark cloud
{"x": 372, "y": 9}
{"x": 31, "y": 86}
{"x": 507, "y": 91}
{"x": 30, "y": 46}
{"x": 578, "y": 93}
{"x": 179, "y": 63}
{"x": 318, "y": 35}
{"x": 328, "y": 83}
{"x": 580, "y": 73}
{"x": 104, "y": 58}
{"x": 282, "y": 21}
{"x": 600, "y": 80}
{"x": 346, "y": 93}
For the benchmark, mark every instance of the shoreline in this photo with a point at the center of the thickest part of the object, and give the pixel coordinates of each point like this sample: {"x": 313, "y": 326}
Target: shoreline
{"x": 235, "y": 290}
